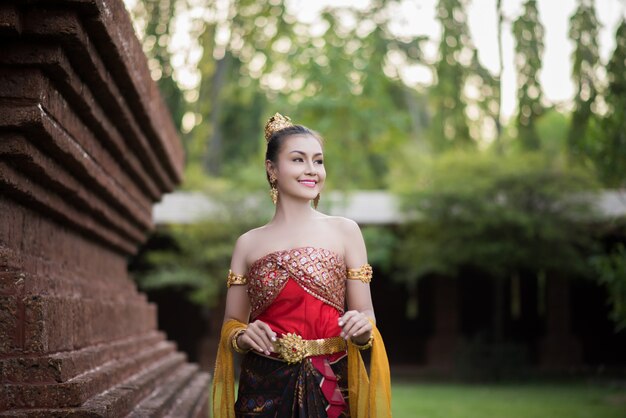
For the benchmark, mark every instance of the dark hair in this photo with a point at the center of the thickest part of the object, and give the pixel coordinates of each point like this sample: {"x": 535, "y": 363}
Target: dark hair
{"x": 275, "y": 143}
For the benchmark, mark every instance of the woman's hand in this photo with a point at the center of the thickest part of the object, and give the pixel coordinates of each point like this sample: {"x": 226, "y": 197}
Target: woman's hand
{"x": 258, "y": 336}
{"x": 355, "y": 325}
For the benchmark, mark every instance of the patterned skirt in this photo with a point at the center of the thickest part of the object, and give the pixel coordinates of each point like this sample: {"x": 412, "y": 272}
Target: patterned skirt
{"x": 312, "y": 388}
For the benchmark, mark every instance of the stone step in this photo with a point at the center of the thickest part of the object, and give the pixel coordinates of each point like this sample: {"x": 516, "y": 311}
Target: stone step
{"x": 63, "y": 366}
{"x": 193, "y": 402}
{"x": 77, "y": 390}
{"x": 122, "y": 399}
{"x": 59, "y": 323}
{"x": 117, "y": 401}
{"x": 164, "y": 397}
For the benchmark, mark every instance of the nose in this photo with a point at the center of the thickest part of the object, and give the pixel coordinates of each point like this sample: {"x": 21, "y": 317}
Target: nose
{"x": 310, "y": 168}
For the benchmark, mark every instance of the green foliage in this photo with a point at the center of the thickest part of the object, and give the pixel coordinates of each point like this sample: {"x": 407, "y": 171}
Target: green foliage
{"x": 455, "y": 52}
{"x": 551, "y": 128}
{"x": 529, "y": 33}
{"x": 380, "y": 242}
{"x": 233, "y": 100}
{"x": 608, "y": 147}
{"x": 611, "y": 271}
{"x": 499, "y": 214}
{"x": 159, "y": 29}
{"x": 201, "y": 258}
{"x": 335, "y": 80}
{"x": 583, "y": 32}
{"x": 370, "y": 117}
{"x": 487, "y": 101}
{"x": 341, "y": 79}
{"x": 369, "y": 112}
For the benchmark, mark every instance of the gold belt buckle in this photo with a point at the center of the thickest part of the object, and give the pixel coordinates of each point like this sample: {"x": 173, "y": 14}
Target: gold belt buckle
{"x": 292, "y": 348}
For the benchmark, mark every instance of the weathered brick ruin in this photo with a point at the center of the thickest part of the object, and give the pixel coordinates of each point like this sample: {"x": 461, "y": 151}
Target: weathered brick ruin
{"x": 86, "y": 147}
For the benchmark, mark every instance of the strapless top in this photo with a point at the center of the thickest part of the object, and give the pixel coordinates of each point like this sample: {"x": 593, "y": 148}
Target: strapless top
{"x": 319, "y": 271}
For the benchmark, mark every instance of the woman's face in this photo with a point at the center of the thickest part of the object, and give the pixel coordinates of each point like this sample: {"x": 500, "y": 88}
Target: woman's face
{"x": 300, "y": 170}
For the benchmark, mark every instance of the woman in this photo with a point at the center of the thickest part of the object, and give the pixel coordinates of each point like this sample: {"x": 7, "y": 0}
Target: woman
{"x": 288, "y": 286}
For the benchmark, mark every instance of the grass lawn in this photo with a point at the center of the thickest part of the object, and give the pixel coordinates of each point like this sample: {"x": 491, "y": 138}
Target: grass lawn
{"x": 532, "y": 400}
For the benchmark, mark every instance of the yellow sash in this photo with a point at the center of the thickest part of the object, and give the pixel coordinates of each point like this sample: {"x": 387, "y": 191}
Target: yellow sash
{"x": 369, "y": 397}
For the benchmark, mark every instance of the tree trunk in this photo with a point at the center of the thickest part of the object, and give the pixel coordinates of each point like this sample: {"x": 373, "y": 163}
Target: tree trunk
{"x": 500, "y": 71}
{"x": 213, "y": 156}
{"x": 499, "y": 287}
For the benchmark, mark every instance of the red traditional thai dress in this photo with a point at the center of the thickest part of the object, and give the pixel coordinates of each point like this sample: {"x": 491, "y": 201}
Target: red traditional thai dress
{"x": 302, "y": 291}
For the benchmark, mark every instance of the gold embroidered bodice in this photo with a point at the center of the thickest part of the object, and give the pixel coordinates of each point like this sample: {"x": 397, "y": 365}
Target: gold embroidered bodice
{"x": 320, "y": 272}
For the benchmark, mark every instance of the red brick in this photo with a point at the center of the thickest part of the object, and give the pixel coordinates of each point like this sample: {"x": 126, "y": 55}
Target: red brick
{"x": 86, "y": 147}
{"x": 10, "y": 324}
{"x": 65, "y": 365}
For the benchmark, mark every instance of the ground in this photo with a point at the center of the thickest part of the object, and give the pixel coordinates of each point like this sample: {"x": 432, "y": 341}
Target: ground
{"x": 523, "y": 400}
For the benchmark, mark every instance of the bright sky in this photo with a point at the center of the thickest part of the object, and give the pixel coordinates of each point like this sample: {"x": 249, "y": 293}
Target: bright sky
{"x": 417, "y": 17}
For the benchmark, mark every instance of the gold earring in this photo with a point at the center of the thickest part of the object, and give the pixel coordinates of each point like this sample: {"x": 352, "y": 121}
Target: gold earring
{"x": 273, "y": 190}
{"x": 316, "y": 200}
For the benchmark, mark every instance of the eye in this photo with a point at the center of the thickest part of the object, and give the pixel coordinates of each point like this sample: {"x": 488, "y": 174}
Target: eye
{"x": 319, "y": 161}
{"x": 297, "y": 159}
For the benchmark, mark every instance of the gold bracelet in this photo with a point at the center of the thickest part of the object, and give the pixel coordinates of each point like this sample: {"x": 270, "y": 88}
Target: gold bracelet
{"x": 233, "y": 341}
{"x": 235, "y": 279}
{"x": 367, "y": 345}
{"x": 363, "y": 273}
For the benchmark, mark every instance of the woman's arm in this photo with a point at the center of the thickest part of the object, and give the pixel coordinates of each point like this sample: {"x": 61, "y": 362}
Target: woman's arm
{"x": 258, "y": 335}
{"x": 237, "y": 301}
{"x": 355, "y": 322}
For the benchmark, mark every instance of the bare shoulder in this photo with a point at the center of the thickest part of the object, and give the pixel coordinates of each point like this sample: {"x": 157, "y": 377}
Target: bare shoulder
{"x": 348, "y": 228}
{"x": 349, "y": 233}
{"x": 244, "y": 246}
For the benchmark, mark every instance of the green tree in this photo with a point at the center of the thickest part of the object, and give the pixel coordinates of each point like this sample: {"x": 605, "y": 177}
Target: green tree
{"x": 609, "y": 137}
{"x": 514, "y": 215}
{"x": 449, "y": 125}
{"x": 498, "y": 118}
{"x": 485, "y": 107}
{"x": 346, "y": 77}
{"x": 583, "y": 31}
{"x": 611, "y": 271}
{"x": 231, "y": 101}
{"x": 552, "y": 128}
{"x": 202, "y": 251}
{"x": 333, "y": 81}
{"x": 159, "y": 18}
{"x": 529, "y": 34}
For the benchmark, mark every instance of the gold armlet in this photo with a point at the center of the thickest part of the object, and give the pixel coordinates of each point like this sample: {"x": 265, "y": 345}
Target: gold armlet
{"x": 367, "y": 345}
{"x": 233, "y": 342}
{"x": 235, "y": 279}
{"x": 363, "y": 273}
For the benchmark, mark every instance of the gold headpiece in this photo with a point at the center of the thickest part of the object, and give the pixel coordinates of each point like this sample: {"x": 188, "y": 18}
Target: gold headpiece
{"x": 276, "y": 123}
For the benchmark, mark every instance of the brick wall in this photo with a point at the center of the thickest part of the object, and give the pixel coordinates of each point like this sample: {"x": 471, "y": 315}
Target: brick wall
{"x": 86, "y": 147}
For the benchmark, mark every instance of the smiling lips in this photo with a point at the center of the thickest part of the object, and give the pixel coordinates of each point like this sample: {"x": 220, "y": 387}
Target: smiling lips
{"x": 308, "y": 183}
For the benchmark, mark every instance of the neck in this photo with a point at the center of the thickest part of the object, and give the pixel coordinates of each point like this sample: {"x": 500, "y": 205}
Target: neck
{"x": 293, "y": 211}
